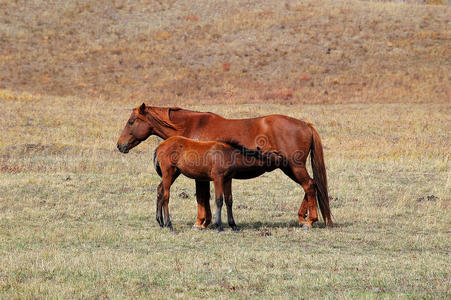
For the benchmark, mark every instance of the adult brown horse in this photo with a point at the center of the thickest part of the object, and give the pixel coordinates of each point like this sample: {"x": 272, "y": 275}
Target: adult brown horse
{"x": 292, "y": 138}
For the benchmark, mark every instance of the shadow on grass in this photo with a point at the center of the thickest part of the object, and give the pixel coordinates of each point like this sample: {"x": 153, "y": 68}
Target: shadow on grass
{"x": 261, "y": 225}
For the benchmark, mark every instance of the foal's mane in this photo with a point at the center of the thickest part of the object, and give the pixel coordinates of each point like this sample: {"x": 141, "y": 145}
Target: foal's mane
{"x": 257, "y": 153}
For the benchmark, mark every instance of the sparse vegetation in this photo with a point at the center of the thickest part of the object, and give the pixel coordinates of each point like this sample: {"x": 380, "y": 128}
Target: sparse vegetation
{"x": 171, "y": 51}
{"x": 77, "y": 216}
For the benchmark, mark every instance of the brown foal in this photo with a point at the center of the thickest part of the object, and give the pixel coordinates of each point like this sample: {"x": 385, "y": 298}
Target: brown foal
{"x": 207, "y": 161}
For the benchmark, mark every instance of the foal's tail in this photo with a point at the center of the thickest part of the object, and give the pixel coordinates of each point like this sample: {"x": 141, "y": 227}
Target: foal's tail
{"x": 320, "y": 176}
{"x": 156, "y": 163}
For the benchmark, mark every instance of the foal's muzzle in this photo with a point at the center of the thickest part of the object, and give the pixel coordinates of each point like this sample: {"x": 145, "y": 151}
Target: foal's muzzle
{"x": 122, "y": 148}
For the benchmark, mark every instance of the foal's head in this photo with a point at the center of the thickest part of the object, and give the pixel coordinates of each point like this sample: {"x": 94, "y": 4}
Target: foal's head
{"x": 137, "y": 129}
{"x": 272, "y": 158}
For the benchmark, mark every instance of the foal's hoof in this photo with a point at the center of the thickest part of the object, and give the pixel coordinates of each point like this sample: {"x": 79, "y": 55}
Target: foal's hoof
{"x": 219, "y": 227}
{"x": 235, "y": 228}
{"x": 160, "y": 221}
{"x": 304, "y": 226}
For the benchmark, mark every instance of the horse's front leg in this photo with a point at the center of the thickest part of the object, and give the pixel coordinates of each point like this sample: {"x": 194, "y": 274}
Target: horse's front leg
{"x": 203, "y": 204}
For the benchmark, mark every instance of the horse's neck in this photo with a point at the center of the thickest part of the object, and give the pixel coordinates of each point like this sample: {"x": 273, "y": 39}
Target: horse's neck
{"x": 167, "y": 132}
{"x": 188, "y": 122}
{"x": 164, "y": 132}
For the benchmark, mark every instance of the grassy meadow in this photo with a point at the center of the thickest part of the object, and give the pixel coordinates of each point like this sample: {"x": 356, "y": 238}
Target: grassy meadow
{"x": 77, "y": 217}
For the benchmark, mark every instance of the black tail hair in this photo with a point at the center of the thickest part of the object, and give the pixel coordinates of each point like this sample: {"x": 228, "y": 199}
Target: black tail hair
{"x": 257, "y": 153}
{"x": 156, "y": 163}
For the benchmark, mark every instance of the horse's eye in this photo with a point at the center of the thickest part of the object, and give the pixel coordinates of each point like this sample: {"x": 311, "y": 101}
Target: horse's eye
{"x": 130, "y": 122}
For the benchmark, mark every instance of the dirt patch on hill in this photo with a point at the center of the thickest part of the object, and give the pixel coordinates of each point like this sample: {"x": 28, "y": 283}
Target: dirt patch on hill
{"x": 239, "y": 51}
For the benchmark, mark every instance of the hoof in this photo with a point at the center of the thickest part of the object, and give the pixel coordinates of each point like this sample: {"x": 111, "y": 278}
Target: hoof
{"x": 236, "y": 228}
{"x": 219, "y": 227}
{"x": 306, "y": 227}
{"x": 198, "y": 227}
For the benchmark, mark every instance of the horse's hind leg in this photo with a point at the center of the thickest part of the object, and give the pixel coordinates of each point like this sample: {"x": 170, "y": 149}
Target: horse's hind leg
{"x": 219, "y": 192}
{"x": 229, "y": 201}
{"x": 307, "y": 183}
{"x": 302, "y": 213}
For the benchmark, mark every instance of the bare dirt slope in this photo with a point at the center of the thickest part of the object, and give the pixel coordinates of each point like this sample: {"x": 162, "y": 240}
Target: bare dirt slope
{"x": 238, "y": 51}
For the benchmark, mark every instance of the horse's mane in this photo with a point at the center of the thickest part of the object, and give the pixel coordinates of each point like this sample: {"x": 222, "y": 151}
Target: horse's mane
{"x": 162, "y": 115}
{"x": 161, "y": 119}
{"x": 257, "y": 153}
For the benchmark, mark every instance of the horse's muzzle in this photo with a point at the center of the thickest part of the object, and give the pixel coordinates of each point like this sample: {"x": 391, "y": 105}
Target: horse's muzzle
{"x": 122, "y": 148}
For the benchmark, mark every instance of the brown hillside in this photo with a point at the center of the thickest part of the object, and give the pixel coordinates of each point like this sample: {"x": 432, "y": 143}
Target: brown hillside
{"x": 241, "y": 51}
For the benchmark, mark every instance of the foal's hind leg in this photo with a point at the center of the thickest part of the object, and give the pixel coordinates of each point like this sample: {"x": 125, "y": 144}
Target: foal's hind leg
{"x": 229, "y": 202}
{"x": 308, "y": 185}
{"x": 219, "y": 192}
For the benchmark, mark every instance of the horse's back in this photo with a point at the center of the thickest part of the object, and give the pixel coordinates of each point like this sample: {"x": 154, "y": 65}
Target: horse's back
{"x": 272, "y": 132}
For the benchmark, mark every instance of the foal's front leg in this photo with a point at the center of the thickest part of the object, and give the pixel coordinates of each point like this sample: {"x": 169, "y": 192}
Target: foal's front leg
{"x": 219, "y": 192}
{"x": 166, "y": 189}
{"x": 169, "y": 176}
{"x": 159, "y": 212}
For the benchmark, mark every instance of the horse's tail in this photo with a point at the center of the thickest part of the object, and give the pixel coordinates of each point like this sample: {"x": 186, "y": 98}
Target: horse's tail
{"x": 156, "y": 163}
{"x": 320, "y": 176}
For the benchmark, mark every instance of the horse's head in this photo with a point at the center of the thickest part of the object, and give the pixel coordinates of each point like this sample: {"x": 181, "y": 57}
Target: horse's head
{"x": 137, "y": 129}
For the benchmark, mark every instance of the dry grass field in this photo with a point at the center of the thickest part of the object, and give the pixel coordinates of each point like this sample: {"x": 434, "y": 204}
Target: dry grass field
{"x": 77, "y": 216}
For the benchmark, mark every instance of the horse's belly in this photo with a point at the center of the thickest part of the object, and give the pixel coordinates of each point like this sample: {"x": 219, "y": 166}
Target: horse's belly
{"x": 247, "y": 174}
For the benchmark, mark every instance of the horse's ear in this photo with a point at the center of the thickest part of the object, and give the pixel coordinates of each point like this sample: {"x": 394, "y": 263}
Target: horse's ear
{"x": 142, "y": 109}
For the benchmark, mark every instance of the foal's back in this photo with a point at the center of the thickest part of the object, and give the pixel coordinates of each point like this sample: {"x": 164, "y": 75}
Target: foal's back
{"x": 194, "y": 159}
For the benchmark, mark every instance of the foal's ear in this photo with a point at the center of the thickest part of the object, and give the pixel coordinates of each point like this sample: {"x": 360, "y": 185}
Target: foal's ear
{"x": 142, "y": 109}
